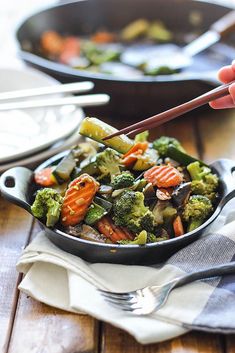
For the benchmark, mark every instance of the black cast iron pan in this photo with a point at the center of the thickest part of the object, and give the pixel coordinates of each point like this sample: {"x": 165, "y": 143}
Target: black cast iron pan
{"x": 140, "y": 97}
{"x": 16, "y": 186}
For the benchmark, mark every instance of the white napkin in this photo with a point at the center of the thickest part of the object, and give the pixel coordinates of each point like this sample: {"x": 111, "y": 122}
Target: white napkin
{"x": 65, "y": 281}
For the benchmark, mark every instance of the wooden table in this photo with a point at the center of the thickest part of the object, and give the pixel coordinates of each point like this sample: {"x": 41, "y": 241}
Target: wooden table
{"x": 29, "y": 326}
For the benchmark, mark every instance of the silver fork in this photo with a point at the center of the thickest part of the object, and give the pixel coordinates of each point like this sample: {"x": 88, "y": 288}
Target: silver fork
{"x": 146, "y": 300}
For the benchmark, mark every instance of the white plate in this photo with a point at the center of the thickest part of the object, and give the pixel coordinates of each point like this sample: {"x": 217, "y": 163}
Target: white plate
{"x": 34, "y": 160}
{"x": 24, "y": 132}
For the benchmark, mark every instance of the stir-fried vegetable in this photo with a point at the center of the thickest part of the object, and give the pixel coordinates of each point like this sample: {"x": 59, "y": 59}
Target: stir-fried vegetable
{"x": 47, "y": 205}
{"x": 130, "y": 211}
{"x": 197, "y": 209}
{"x": 163, "y": 176}
{"x": 204, "y": 182}
{"x": 45, "y": 177}
{"x": 162, "y": 144}
{"x": 108, "y": 163}
{"x": 97, "y": 130}
{"x": 77, "y": 200}
{"x": 106, "y": 52}
{"x": 123, "y": 180}
{"x": 104, "y": 199}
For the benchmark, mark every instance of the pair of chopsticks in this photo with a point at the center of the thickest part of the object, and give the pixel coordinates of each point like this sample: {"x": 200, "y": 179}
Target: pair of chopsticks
{"x": 77, "y": 87}
{"x": 173, "y": 113}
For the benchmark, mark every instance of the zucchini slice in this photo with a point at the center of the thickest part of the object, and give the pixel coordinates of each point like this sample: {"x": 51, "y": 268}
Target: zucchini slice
{"x": 64, "y": 168}
{"x": 96, "y": 130}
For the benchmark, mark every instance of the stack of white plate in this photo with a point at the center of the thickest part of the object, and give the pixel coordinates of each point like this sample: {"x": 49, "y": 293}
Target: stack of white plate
{"x": 32, "y": 135}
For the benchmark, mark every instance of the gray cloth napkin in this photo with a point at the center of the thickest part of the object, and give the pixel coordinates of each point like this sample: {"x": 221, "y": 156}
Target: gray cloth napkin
{"x": 65, "y": 281}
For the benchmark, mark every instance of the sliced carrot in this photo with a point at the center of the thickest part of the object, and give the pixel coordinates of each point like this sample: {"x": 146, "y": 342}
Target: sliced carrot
{"x": 115, "y": 233}
{"x": 71, "y": 48}
{"x": 52, "y": 43}
{"x": 103, "y": 37}
{"x": 45, "y": 177}
{"x": 163, "y": 176}
{"x": 78, "y": 198}
{"x": 131, "y": 156}
{"x": 137, "y": 146}
{"x": 178, "y": 226}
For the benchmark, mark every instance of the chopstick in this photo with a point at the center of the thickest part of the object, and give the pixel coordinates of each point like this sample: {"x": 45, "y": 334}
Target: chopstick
{"x": 82, "y": 101}
{"x": 42, "y": 91}
{"x": 173, "y": 113}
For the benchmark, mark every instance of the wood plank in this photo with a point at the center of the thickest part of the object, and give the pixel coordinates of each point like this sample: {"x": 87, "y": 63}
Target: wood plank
{"x": 184, "y": 129}
{"x": 217, "y": 130}
{"x": 230, "y": 344}
{"x": 15, "y": 225}
{"x": 40, "y": 328}
{"x": 117, "y": 341}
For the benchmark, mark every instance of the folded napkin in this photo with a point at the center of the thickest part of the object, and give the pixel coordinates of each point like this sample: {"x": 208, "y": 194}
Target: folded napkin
{"x": 65, "y": 281}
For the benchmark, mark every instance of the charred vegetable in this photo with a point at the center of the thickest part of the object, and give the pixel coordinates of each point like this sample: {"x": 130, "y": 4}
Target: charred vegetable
{"x": 181, "y": 194}
{"x": 94, "y": 214}
{"x": 64, "y": 169}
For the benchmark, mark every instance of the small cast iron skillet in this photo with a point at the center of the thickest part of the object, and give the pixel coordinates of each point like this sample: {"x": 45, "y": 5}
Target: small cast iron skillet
{"x": 17, "y": 186}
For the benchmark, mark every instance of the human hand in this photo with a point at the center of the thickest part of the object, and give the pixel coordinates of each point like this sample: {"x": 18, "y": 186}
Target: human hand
{"x": 226, "y": 74}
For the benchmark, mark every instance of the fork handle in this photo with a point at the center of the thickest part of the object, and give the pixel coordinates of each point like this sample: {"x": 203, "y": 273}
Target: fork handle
{"x": 220, "y": 270}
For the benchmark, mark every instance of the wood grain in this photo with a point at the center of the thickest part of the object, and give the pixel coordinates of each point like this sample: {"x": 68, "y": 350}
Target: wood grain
{"x": 184, "y": 129}
{"x": 217, "y": 130}
{"x": 117, "y": 341}
{"x": 40, "y": 328}
{"x": 15, "y": 225}
{"x": 230, "y": 344}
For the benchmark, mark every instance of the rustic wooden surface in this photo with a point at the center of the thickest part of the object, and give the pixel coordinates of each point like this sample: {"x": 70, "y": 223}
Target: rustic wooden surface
{"x": 28, "y": 326}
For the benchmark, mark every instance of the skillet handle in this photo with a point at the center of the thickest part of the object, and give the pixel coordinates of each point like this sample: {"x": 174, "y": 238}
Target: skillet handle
{"x": 14, "y": 186}
{"x": 225, "y": 169}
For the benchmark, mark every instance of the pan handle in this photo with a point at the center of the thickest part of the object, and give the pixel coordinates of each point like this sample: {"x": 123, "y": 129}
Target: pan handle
{"x": 225, "y": 169}
{"x": 14, "y": 186}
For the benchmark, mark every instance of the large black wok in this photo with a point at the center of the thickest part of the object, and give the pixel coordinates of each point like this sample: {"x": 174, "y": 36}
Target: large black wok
{"x": 130, "y": 98}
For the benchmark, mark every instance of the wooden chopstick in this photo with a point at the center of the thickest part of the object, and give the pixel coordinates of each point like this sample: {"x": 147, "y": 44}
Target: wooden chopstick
{"x": 173, "y": 113}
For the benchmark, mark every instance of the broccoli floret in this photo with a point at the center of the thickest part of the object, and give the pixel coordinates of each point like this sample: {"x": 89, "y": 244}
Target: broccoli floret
{"x": 162, "y": 144}
{"x": 152, "y": 238}
{"x": 196, "y": 210}
{"x": 142, "y": 136}
{"x": 204, "y": 182}
{"x": 130, "y": 211}
{"x": 47, "y": 205}
{"x": 140, "y": 239}
{"x": 123, "y": 180}
{"x": 197, "y": 171}
{"x": 108, "y": 163}
{"x": 147, "y": 221}
{"x": 143, "y": 238}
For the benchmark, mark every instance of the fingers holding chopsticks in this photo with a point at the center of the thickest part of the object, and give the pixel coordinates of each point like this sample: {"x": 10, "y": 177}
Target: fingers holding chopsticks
{"x": 226, "y": 74}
